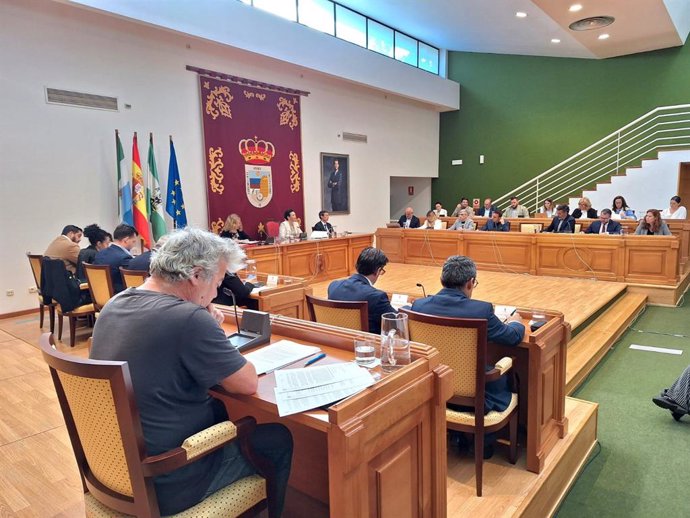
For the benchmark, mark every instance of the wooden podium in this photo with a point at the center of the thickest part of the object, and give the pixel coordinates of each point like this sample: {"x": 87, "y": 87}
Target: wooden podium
{"x": 380, "y": 453}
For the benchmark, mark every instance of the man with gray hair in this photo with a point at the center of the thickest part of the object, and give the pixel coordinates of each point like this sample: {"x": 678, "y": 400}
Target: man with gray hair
{"x": 169, "y": 333}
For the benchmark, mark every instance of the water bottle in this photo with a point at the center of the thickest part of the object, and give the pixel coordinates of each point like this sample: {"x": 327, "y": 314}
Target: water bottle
{"x": 251, "y": 270}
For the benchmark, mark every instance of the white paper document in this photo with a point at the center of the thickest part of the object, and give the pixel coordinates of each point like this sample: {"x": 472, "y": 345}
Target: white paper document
{"x": 398, "y": 300}
{"x": 298, "y": 390}
{"x": 279, "y": 355}
{"x": 504, "y": 312}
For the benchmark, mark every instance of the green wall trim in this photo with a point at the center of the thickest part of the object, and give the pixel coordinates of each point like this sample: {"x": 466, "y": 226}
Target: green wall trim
{"x": 525, "y": 114}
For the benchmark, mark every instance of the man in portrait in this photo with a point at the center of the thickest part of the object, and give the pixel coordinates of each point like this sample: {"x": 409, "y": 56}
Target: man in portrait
{"x": 337, "y": 183}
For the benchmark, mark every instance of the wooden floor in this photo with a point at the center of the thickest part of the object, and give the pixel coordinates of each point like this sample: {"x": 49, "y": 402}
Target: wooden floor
{"x": 577, "y": 299}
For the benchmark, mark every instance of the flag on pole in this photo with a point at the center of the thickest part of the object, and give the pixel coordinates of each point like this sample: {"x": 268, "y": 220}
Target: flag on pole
{"x": 175, "y": 202}
{"x": 124, "y": 193}
{"x": 141, "y": 220}
{"x": 153, "y": 196}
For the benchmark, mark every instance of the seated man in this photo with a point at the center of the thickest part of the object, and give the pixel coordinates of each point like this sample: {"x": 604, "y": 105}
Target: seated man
{"x": 360, "y": 286}
{"x": 515, "y": 210}
{"x": 488, "y": 208}
{"x": 464, "y": 204}
{"x": 605, "y": 225}
{"x": 234, "y": 291}
{"x": 168, "y": 332}
{"x": 409, "y": 220}
{"x": 66, "y": 247}
{"x": 497, "y": 223}
{"x": 563, "y": 222}
{"x": 323, "y": 225}
{"x": 117, "y": 254}
{"x": 464, "y": 222}
{"x": 459, "y": 278}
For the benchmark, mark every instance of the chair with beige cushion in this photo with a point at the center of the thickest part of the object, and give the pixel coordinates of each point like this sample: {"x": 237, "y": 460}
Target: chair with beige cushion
{"x": 98, "y": 405}
{"x": 100, "y": 284}
{"x": 133, "y": 278}
{"x": 462, "y": 345}
{"x": 350, "y": 314}
{"x": 531, "y": 228}
{"x": 35, "y": 262}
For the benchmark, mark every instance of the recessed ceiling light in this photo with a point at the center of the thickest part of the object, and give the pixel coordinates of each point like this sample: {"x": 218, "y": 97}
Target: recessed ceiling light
{"x": 521, "y": 14}
{"x": 555, "y": 40}
{"x": 575, "y": 8}
{"x": 604, "y": 36}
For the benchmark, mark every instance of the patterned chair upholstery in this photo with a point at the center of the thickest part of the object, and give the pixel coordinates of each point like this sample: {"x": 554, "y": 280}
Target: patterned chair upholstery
{"x": 100, "y": 284}
{"x": 272, "y": 229}
{"x": 461, "y": 343}
{"x": 96, "y": 399}
{"x": 531, "y": 228}
{"x": 350, "y": 314}
{"x": 133, "y": 278}
{"x": 35, "y": 263}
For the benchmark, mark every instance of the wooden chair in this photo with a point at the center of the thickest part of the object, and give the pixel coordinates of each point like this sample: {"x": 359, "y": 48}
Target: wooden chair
{"x": 351, "y": 315}
{"x": 462, "y": 345}
{"x": 54, "y": 287}
{"x": 444, "y": 225}
{"x": 35, "y": 262}
{"x": 100, "y": 284}
{"x": 531, "y": 228}
{"x": 98, "y": 405}
{"x": 133, "y": 278}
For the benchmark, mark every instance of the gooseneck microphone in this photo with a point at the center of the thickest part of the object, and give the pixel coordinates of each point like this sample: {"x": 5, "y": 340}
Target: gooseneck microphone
{"x": 420, "y": 285}
{"x": 228, "y": 291}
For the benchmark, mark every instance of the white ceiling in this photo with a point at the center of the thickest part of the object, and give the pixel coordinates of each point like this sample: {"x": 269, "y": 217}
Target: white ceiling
{"x": 491, "y": 25}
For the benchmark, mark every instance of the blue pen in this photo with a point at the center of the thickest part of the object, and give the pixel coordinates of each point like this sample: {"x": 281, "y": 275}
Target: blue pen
{"x": 315, "y": 359}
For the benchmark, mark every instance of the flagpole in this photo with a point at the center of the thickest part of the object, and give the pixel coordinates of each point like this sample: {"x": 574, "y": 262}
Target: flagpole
{"x": 119, "y": 192}
{"x": 174, "y": 219}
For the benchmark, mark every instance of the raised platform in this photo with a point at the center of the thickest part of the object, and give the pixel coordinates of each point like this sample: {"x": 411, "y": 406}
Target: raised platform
{"x": 512, "y": 490}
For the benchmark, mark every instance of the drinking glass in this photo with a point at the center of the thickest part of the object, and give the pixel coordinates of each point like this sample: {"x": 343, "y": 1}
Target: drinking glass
{"x": 395, "y": 341}
{"x": 365, "y": 351}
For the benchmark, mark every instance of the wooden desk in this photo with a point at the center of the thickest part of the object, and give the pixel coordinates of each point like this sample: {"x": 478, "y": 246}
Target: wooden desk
{"x": 313, "y": 260}
{"x": 379, "y": 453}
{"x": 286, "y": 298}
{"x": 651, "y": 260}
{"x": 678, "y": 227}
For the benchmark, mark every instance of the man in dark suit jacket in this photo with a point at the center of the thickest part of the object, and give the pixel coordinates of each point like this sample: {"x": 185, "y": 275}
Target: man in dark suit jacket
{"x": 563, "y": 222}
{"x": 323, "y": 225}
{"x": 360, "y": 286}
{"x": 117, "y": 254}
{"x": 337, "y": 182}
{"x": 497, "y": 223}
{"x": 605, "y": 225}
{"x": 488, "y": 209}
{"x": 459, "y": 277}
{"x": 409, "y": 220}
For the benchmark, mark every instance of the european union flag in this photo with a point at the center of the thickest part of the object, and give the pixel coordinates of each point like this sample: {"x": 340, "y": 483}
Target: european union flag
{"x": 175, "y": 201}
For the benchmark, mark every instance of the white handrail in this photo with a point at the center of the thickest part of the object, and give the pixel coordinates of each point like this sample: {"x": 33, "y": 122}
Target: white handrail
{"x": 608, "y": 155}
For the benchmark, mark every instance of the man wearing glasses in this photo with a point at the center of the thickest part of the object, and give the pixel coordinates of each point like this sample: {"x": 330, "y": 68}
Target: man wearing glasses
{"x": 360, "y": 286}
{"x": 459, "y": 278}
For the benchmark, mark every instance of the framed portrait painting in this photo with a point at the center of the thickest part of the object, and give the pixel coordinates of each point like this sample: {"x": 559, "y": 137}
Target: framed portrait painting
{"x": 335, "y": 183}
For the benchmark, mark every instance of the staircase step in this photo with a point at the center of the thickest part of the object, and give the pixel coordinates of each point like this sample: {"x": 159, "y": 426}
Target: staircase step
{"x": 588, "y": 348}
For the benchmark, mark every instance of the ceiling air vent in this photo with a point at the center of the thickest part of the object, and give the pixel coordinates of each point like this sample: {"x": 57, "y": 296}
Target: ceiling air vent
{"x": 354, "y": 137}
{"x": 69, "y": 98}
{"x": 594, "y": 22}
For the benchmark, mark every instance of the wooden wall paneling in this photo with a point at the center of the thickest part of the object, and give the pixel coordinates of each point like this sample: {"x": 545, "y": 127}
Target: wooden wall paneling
{"x": 652, "y": 259}
{"x": 267, "y": 258}
{"x": 357, "y": 244}
{"x": 497, "y": 251}
{"x": 390, "y": 240}
{"x": 429, "y": 247}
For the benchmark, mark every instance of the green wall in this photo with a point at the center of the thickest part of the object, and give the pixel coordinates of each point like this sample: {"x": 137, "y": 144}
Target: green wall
{"x": 526, "y": 114}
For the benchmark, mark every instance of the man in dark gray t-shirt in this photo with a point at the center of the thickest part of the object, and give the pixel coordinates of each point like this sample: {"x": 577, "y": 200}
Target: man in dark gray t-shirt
{"x": 168, "y": 332}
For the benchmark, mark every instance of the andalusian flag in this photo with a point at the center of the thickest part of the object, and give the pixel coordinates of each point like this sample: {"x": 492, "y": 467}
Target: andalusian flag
{"x": 153, "y": 196}
{"x": 175, "y": 203}
{"x": 124, "y": 193}
{"x": 141, "y": 220}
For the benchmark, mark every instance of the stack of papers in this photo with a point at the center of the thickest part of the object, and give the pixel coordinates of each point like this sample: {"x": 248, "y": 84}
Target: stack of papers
{"x": 298, "y": 390}
{"x": 279, "y": 354}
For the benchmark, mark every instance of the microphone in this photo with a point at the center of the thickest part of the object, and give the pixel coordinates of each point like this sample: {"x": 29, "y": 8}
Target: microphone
{"x": 229, "y": 292}
{"x": 420, "y": 285}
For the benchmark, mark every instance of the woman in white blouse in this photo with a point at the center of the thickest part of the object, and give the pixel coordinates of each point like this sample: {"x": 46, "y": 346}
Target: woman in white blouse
{"x": 289, "y": 229}
{"x": 675, "y": 211}
{"x": 432, "y": 221}
{"x": 548, "y": 208}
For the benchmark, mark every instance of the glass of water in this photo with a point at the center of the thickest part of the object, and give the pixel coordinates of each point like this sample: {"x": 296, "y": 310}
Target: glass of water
{"x": 365, "y": 351}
